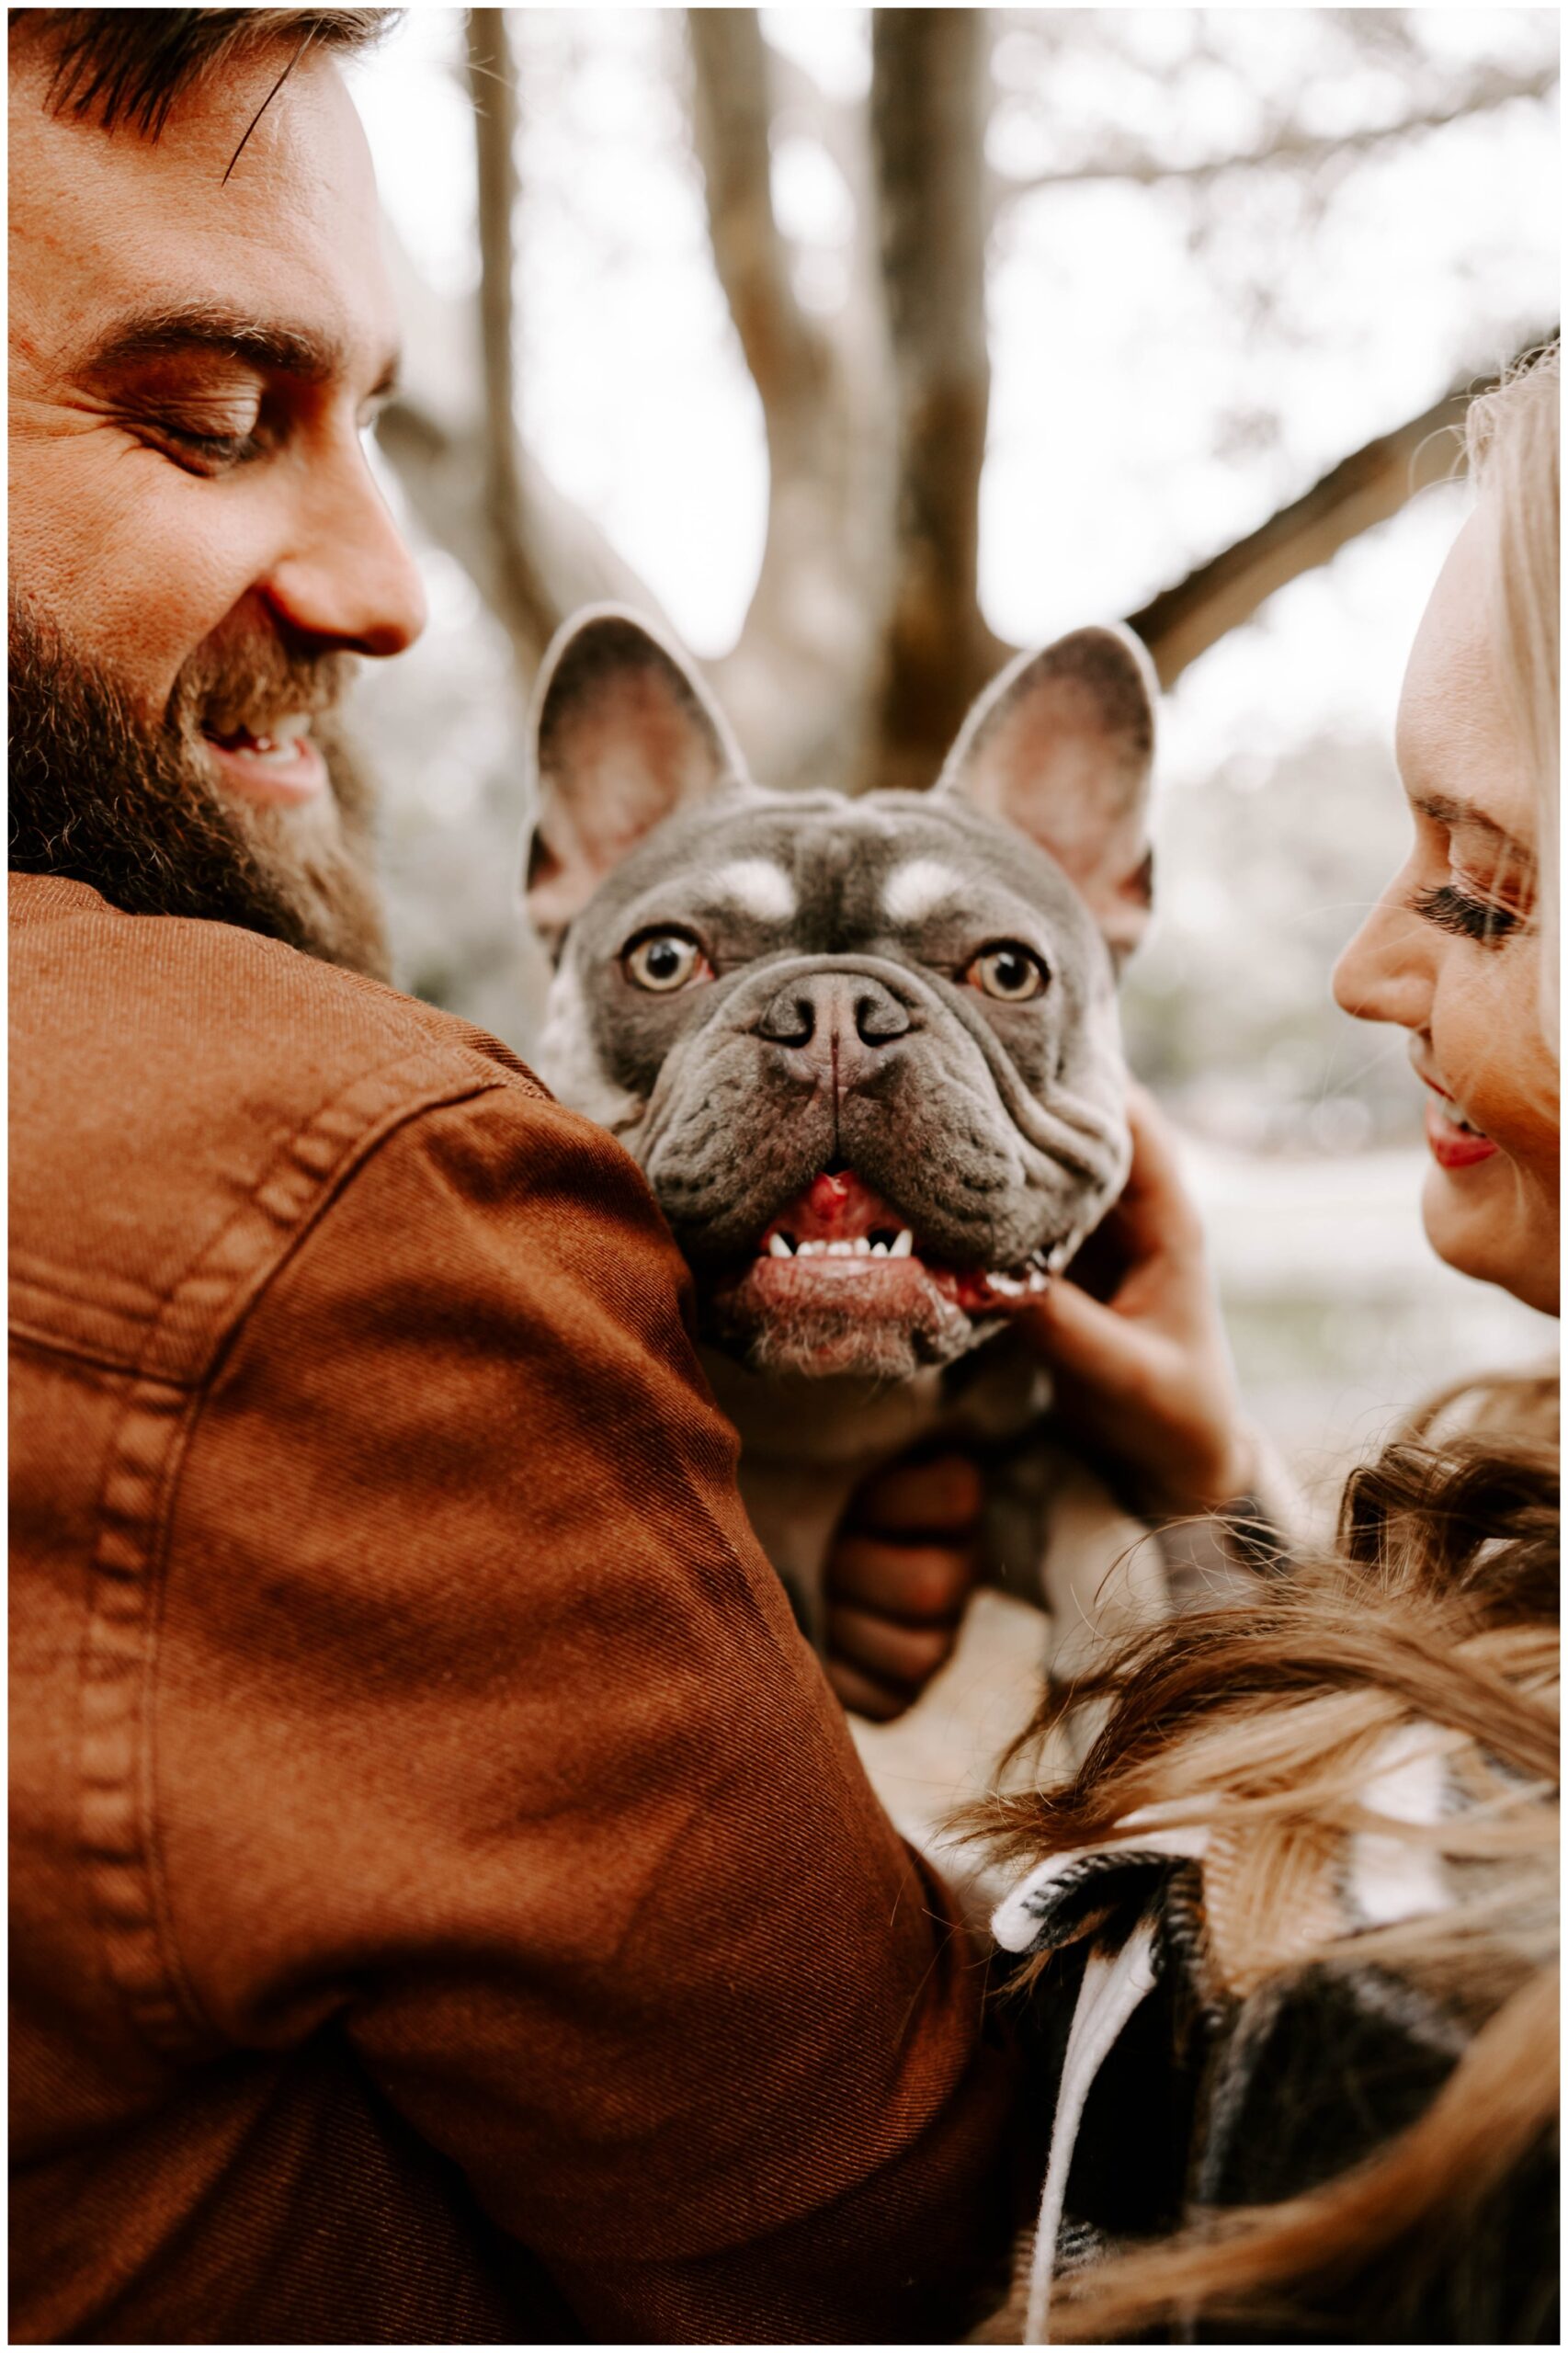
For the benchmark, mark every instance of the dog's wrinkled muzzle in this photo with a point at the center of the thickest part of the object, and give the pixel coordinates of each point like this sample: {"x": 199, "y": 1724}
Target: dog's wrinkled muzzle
{"x": 806, "y": 1064}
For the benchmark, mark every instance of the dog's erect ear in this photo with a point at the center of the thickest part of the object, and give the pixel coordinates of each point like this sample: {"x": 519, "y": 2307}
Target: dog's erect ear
{"x": 621, "y": 735}
{"x": 1062, "y": 745}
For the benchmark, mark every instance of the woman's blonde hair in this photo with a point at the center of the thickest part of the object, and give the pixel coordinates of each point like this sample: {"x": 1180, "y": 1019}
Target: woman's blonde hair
{"x": 1513, "y": 437}
{"x": 1436, "y": 1620}
{"x": 1432, "y": 1625}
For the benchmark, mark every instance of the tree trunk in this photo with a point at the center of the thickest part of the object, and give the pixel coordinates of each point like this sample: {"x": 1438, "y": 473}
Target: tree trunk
{"x": 522, "y": 598}
{"x": 929, "y": 92}
{"x": 796, "y": 683}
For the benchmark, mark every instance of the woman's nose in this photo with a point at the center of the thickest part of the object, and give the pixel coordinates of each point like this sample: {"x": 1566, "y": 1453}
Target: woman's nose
{"x": 1385, "y": 974}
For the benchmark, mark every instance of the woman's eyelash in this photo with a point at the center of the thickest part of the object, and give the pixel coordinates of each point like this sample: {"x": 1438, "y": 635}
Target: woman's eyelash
{"x": 1454, "y": 910}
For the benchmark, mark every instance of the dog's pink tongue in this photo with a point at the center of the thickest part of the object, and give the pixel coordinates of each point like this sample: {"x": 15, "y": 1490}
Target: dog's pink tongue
{"x": 835, "y": 1208}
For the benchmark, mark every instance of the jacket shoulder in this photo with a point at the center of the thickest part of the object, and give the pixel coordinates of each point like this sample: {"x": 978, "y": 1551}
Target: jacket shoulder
{"x": 185, "y": 1096}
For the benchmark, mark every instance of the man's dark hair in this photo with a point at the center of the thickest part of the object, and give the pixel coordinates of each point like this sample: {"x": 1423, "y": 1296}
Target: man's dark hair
{"x": 130, "y": 64}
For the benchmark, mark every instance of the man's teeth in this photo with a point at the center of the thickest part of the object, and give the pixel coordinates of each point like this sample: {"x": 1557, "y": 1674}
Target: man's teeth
{"x": 281, "y": 742}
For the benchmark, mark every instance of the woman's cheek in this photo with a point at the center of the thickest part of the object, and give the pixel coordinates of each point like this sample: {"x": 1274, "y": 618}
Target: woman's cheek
{"x": 1490, "y": 1051}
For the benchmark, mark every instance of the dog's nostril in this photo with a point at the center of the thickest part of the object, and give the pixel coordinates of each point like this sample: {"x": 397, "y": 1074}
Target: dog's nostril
{"x": 789, "y": 1020}
{"x": 826, "y": 1005}
{"x": 879, "y": 1018}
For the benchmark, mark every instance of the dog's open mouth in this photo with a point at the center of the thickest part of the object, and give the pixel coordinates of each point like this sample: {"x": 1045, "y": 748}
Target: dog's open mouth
{"x": 839, "y": 1231}
{"x": 838, "y": 1282}
{"x": 839, "y": 1243}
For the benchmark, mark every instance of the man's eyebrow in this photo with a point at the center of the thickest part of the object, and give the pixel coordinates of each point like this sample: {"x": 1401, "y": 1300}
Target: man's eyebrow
{"x": 1444, "y": 810}
{"x": 273, "y": 346}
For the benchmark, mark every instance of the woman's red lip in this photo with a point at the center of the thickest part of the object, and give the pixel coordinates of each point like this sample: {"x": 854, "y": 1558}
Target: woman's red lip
{"x": 1450, "y": 1146}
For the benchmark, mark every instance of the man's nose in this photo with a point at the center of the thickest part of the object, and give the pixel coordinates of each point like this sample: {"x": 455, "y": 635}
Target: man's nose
{"x": 834, "y": 1026}
{"x": 348, "y": 578}
{"x": 1385, "y": 974}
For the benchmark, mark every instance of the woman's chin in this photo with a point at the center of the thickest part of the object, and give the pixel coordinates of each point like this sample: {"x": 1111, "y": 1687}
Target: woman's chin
{"x": 1478, "y": 1220}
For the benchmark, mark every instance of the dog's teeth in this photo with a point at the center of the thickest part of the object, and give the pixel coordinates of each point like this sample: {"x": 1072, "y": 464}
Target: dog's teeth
{"x": 841, "y": 1249}
{"x": 1036, "y": 1281}
{"x": 1009, "y": 1287}
{"x": 879, "y": 1249}
{"x": 861, "y": 1245}
{"x": 904, "y": 1247}
{"x": 811, "y": 1249}
{"x": 778, "y": 1247}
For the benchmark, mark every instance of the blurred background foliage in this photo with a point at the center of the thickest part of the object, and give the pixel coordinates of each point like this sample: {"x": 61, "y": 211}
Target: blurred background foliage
{"x": 862, "y": 347}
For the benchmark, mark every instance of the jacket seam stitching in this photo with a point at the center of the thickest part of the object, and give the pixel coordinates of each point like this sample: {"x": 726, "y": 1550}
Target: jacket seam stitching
{"x": 157, "y": 1992}
{"x": 461, "y": 1081}
{"x": 29, "y": 1336}
{"x": 259, "y": 1273}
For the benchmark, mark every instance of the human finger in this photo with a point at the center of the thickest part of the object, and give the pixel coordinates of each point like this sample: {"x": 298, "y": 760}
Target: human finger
{"x": 1154, "y": 1200}
{"x": 941, "y": 1495}
{"x": 864, "y": 1696}
{"x": 922, "y": 1583}
{"x": 1082, "y": 1335}
{"x": 880, "y": 1647}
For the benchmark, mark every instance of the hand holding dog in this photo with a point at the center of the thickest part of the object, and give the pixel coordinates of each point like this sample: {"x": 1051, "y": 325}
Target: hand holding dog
{"x": 898, "y": 1577}
{"x": 1137, "y": 1343}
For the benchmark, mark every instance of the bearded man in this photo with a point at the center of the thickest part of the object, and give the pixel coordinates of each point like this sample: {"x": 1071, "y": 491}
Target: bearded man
{"x": 446, "y": 1904}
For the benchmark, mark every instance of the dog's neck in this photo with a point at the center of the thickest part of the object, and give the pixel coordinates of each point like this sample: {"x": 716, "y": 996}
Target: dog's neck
{"x": 837, "y": 1420}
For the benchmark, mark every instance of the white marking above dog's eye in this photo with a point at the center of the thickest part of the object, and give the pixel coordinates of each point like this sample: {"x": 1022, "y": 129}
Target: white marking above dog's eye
{"x": 912, "y": 891}
{"x": 755, "y": 886}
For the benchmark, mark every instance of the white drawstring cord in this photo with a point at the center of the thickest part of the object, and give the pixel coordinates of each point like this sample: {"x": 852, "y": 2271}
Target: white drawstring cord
{"x": 1114, "y": 1985}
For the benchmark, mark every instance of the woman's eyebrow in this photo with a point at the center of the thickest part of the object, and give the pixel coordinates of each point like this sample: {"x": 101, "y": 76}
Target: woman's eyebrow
{"x": 1444, "y": 810}
{"x": 274, "y": 346}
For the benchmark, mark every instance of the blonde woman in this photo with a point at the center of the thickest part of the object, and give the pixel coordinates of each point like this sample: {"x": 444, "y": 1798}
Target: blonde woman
{"x": 1292, "y": 1932}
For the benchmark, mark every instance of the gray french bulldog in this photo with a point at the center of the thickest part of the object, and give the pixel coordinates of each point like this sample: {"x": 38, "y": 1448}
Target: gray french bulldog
{"x": 867, "y": 1053}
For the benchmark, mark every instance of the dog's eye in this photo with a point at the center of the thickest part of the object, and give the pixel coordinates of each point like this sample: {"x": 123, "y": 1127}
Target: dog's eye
{"x": 662, "y": 960}
{"x": 1007, "y": 971}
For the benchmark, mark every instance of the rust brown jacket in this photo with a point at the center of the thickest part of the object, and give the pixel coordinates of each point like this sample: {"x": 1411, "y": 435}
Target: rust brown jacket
{"x": 446, "y": 1903}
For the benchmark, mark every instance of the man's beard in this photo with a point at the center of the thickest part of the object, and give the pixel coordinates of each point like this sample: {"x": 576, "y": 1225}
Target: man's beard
{"x": 102, "y": 796}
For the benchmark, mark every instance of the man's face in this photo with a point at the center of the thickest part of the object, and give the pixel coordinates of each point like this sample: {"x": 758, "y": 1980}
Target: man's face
{"x": 197, "y": 541}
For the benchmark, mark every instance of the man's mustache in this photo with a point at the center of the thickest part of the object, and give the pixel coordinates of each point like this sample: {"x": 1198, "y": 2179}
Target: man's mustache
{"x": 247, "y": 686}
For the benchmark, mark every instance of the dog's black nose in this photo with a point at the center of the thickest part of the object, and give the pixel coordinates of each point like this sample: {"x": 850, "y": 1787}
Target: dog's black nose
{"x": 838, "y": 1019}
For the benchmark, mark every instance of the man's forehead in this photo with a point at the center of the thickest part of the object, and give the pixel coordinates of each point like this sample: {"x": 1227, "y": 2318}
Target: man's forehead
{"x": 124, "y": 232}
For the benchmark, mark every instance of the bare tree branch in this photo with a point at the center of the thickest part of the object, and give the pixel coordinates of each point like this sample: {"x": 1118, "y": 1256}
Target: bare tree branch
{"x": 929, "y": 96}
{"x": 438, "y": 440}
{"x": 442, "y": 475}
{"x": 797, "y": 684}
{"x": 732, "y": 115}
{"x": 521, "y": 597}
{"x": 1364, "y": 489}
{"x": 1292, "y": 147}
